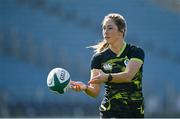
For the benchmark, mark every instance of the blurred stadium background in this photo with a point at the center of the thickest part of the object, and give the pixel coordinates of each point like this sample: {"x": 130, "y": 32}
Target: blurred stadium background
{"x": 38, "y": 35}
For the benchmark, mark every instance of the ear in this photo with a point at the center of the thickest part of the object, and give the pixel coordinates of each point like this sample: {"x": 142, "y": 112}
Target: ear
{"x": 121, "y": 34}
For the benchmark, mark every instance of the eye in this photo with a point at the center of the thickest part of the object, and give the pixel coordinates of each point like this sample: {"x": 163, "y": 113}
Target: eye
{"x": 109, "y": 28}
{"x": 104, "y": 28}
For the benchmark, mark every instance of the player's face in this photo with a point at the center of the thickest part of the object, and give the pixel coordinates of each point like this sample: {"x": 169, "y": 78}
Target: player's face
{"x": 110, "y": 31}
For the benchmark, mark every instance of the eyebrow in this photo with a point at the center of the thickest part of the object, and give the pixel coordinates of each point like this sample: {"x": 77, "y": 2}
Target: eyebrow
{"x": 108, "y": 25}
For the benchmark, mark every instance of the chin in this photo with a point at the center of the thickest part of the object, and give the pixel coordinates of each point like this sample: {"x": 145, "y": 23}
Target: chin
{"x": 109, "y": 41}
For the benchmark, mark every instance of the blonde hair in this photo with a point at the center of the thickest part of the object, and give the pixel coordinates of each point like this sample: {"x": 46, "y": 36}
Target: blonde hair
{"x": 121, "y": 24}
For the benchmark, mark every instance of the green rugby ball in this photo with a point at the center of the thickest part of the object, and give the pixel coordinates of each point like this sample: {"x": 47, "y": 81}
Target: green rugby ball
{"x": 58, "y": 80}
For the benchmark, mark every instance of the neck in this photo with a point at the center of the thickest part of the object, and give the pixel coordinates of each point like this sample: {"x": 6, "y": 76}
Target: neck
{"x": 116, "y": 47}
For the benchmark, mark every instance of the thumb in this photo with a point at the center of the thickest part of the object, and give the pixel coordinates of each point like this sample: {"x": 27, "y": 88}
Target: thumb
{"x": 96, "y": 77}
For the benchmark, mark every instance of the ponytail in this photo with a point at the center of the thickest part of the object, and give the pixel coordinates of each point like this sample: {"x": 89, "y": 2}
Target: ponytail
{"x": 101, "y": 46}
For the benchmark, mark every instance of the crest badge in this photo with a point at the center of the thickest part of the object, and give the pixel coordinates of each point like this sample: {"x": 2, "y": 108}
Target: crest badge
{"x": 126, "y": 61}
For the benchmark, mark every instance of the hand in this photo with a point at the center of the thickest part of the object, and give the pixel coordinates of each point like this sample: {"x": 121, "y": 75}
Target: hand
{"x": 100, "y": 78}
{"x": 78, "y": 86}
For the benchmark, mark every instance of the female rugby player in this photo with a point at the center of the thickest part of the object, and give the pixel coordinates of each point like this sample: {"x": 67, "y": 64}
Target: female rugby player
{"x": 118, "y": 65}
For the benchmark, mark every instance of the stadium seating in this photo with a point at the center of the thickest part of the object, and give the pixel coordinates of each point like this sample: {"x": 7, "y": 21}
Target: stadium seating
{"x": 38, "y": 35}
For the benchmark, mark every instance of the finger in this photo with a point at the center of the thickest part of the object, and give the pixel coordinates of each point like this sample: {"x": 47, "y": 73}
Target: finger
{"x": 96, "y": 77}
{"x": 72, "y": 82}
{"x": 92, "y": 81}
{"x": 78, "y": 88}
{"x": 77, "y": 83}
{"x": 89, "y": 81}
{"x": 73, "y": 87}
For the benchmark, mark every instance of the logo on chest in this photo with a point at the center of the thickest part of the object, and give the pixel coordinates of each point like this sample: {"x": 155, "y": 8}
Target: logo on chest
{"x": 107, "y": 66}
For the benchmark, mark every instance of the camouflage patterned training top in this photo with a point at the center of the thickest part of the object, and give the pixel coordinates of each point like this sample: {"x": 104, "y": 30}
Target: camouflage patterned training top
{"x": 109, "y": 62}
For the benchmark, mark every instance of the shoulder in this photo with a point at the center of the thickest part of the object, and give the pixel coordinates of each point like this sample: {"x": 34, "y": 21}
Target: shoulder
{"x": 135, "y": 48}
{"x": 135, "y": 52}
{"x": 101, "y": 54}
{"x": 97, "y": 59}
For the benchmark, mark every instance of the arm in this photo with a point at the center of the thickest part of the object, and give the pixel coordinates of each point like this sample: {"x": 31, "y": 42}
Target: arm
{"x": 123, "y": 77}
{"x": 93, "y": 89}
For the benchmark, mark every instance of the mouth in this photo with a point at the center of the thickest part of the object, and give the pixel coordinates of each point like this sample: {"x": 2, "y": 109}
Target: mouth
{"x": 106, "y": 37}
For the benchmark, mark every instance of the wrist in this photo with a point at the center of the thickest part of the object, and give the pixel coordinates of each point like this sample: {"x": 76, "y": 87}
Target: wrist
{"x": 86, "y": 88}
{"x": 109, "y": 78}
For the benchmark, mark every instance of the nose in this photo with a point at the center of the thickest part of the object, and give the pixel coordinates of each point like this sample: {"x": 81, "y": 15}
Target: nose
{"x": 105, "y": 32}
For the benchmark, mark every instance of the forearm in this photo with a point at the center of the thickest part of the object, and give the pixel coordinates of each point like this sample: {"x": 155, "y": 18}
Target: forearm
{"x": 123, "y": 77}
{"x": 92, "y": 91}
{"x": 126, "y": 76}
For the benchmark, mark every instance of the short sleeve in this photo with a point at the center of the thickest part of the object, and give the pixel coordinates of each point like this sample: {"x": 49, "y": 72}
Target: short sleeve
{"x": 137, "y": 54}
{"x": 95, "y": 62}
